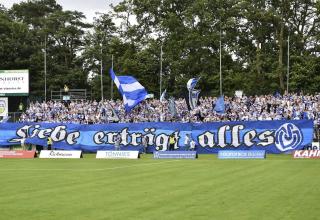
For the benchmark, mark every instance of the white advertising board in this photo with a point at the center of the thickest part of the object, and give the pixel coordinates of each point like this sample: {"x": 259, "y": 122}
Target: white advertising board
{"x": 315, "y": 146}
{"x": 60, "y": 154}
{"x": 14, "y": 82}
{"x": 109, "y": 154}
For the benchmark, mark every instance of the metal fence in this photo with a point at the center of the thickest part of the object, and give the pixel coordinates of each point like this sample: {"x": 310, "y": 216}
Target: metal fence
{"x": 72, "y": 95}
{"x": 14, "y": 116}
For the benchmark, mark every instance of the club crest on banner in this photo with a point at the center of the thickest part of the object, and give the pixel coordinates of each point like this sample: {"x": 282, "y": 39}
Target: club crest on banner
{"x": 288, "y": 137}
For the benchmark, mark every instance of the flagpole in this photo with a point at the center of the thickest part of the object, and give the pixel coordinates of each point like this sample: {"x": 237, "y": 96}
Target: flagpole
{"x": 111, "y": 92}
{"x": 101, "y": 74}
{"x": 288, "y": 67}
{"x": 220, "y": 58}
{"x": 160, "y": 71}
{"x": 45, "y": 68}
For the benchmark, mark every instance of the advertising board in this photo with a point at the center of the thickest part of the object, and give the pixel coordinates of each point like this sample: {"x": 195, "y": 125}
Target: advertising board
{"x": 14, "y": 82}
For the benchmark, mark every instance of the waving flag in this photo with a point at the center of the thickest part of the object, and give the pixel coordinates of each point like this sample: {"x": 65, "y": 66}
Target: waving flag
{"x": 131, "y": 90}
{"x": 172, "y": 107}
{"x": 191, "y": 84}
{"x": 220, "y": 108}
{"x": 163, "y": 95}
{"x": 193, "y": 93}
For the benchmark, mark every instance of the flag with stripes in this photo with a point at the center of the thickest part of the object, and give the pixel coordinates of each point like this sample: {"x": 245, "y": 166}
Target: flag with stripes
{"x": 131, "y": 90}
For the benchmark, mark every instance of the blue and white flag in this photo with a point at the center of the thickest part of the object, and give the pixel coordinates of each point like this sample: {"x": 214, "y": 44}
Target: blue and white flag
{"x": 163, "y": 95}
{"x": 191, "y": 84}
{"x": 220, "y": 108}
{"x": 193, "y": 93}
{"x": 131, "y": 90}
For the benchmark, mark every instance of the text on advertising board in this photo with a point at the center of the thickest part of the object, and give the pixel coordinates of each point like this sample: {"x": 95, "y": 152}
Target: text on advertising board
{"x": 17, "y": 154}
{"x": 60, "y": 154}
{"x": 306, "y": 154}
{"x": 117, "y": 155}
{"x": 242, "y": 154}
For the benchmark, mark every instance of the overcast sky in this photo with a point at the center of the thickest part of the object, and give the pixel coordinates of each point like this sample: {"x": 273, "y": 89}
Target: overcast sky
{"x": 88, "y": 7}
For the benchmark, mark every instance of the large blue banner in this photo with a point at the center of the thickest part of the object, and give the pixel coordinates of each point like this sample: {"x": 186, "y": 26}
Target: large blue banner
{"x": 272, "y": 136}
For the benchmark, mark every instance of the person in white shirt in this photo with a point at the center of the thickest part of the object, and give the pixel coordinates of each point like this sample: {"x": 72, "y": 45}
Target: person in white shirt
{"x": 192, "y": 145}
{"x": 187, "y": 141}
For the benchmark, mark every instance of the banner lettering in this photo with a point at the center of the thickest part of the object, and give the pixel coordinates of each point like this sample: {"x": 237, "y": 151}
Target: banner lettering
{"x": 271, "y": 136}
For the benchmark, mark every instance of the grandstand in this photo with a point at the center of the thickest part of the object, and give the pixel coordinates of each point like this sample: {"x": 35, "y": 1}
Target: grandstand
{"x": 268, "y": 107}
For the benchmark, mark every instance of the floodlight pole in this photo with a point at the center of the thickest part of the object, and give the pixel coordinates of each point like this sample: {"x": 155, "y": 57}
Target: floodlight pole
{"x": 45, "y": 68}
{"x": 160, "y": 70}
{"x": 111, "y": 88}
{"x": 288, "y": 63}
{"x": 220, "y": 60}
{"x": 101, "y": 73}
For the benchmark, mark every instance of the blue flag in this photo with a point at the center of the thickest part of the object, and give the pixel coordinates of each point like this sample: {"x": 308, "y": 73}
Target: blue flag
{"x": 131, "y": 90}
{"x": 220, "y": 108}
{"x": 277, "y": 94}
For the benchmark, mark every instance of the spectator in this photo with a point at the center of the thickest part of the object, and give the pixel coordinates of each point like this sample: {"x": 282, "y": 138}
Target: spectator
{"x": 246, "y": 108}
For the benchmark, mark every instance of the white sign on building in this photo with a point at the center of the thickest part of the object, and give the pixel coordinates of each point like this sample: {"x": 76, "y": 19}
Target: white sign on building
{"x": 14, "y": 82}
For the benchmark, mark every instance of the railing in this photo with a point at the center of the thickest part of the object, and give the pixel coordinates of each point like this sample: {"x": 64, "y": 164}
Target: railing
{"x": 72, "y": 95}
{"x": 14, "y": 116}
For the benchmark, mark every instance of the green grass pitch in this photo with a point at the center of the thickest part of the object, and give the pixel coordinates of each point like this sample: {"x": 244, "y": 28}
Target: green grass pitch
{"x": 207, "y": 188}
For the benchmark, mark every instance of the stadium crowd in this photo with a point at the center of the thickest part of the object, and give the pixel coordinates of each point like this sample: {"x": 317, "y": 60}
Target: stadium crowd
{"x": 245, "y": 108}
